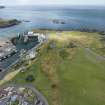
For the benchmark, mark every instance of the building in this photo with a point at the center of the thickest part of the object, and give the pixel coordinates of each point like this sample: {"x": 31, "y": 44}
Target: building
{"x": 31, "y": 55}
{"x": 40, "y": 36}
{"x": 7, "y": 50}
{"x": 3, "y": 93}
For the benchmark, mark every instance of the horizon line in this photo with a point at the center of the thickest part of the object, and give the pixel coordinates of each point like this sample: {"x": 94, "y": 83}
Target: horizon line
{"x": 51, "y": 5}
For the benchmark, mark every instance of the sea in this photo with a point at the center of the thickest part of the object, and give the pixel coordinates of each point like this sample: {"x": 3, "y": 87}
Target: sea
{"x": 41, "y": 17}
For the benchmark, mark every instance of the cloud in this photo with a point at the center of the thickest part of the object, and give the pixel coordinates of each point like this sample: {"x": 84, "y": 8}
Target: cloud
{"x": 54, "y": 2}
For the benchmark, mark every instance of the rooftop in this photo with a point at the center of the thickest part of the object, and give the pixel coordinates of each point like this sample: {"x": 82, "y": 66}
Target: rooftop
{"x": 6, "y": 47}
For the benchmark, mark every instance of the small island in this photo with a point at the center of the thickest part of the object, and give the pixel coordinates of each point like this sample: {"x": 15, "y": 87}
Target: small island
{"x": 8, "y": 23}
{"x": 1, "y": 7}
{"x": 58, "y": 21}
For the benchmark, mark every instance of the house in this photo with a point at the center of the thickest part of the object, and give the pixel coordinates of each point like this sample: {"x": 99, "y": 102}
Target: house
{"x": 31, "y": 55}
{"x": 3, "y": 93}
{"x": 7, "y": 50}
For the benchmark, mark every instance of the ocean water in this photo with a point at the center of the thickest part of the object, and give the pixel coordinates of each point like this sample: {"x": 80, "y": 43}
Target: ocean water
{"x": 75, "y": 17}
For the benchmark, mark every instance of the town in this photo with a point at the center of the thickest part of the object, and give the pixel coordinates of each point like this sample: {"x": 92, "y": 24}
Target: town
{"x": 21, "y": 95}
{"x": 14, "y": 49}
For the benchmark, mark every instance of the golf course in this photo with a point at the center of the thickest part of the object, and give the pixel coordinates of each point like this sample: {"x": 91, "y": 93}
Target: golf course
{"x": 68, "y": 70}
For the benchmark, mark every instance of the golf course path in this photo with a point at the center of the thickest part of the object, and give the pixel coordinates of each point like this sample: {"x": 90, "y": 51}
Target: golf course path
{"x": 95, "y": 55}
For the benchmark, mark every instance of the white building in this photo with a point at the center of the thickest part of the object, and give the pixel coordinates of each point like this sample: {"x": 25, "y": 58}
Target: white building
{"x": 30, "y": 32}
{"x": 41, "y": 37}
{"x": 31, "y": 55}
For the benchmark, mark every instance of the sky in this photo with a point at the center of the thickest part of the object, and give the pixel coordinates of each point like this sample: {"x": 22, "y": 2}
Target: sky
{"x": 52, "y": 2}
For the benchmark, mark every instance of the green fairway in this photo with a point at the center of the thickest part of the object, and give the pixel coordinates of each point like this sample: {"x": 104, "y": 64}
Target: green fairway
{"x": 65, "y": 72}
{"x": 83, "y": 82}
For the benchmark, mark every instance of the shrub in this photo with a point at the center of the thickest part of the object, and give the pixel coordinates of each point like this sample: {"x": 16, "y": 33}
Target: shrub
{"x": 30, "y": 78}
{"x": 0, "y": 70}
{"x": 64, "y": 54}
{"x": 51, "y": 45}
{"x": 71, "y": 45}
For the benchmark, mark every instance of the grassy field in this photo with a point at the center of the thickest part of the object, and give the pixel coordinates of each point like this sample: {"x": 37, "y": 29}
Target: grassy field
{"x": 65, "y": 73}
